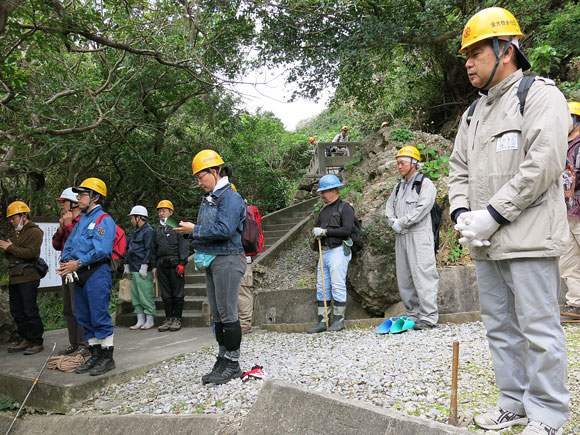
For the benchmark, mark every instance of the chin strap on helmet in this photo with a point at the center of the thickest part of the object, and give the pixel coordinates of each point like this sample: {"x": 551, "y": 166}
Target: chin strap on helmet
{"x": 498, "y": 57}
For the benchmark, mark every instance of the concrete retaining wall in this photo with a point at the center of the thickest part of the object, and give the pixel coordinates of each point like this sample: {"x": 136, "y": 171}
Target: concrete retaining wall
{"x": 457, "y": 294}
{"x": 114, "y": 424}
{"x": 283, "y": 408}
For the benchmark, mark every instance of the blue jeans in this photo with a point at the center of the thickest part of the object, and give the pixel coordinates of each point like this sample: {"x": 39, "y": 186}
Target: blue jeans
{"x": 335, "y": 265}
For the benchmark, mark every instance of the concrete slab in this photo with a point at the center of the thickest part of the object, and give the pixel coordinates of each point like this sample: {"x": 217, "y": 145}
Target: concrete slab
{"x": 283, "y": 408}
{"x": 135, "y": 353}
{"x": 115, "y": 424}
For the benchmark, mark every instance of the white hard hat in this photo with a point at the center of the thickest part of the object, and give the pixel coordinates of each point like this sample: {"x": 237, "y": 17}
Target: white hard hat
{"x": 68, "y": 195}
{"x": 139, "y": 210}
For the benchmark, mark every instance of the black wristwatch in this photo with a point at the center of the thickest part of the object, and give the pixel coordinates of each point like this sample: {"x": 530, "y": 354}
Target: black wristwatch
{"x": 79, "y": 264}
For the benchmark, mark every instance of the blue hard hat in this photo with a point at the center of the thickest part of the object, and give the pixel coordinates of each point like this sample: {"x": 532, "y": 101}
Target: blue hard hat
{"x": 329, "y": 182}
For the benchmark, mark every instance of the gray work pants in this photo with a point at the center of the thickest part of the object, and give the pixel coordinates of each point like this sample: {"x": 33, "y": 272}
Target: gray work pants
{"x": 222, "y": 282}
{"x": 417, "y": 275}
{"x": 519, "y": 307}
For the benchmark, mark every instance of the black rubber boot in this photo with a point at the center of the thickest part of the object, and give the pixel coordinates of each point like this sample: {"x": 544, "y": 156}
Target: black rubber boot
{"x": 321, "y": 325}
{"x": 217, "y": 367}
{"x": 90, "y": 363}
{"x": 231, "y": 370}
{"x": 105, "y": 363}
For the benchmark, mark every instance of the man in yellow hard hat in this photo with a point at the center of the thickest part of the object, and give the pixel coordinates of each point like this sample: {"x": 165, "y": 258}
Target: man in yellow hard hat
{"x": 570, "y": 260}
{"x": 168, "y": 259}
{"x": 22, "y": 251}
{"x": 408, "y": 214}
{"x": 505, "y": 194}
{"x": 85, "y": 260}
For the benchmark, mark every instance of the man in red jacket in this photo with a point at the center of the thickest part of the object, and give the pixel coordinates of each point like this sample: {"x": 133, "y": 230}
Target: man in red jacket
{"x": 70, "y": 210}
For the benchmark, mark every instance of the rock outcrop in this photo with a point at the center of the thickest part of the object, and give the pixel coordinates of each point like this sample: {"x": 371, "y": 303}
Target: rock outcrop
{"x": 371, "y": 277}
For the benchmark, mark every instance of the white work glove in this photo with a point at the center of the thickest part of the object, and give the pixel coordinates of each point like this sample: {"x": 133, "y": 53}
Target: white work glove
{"x": 397, "y": 227}
{"x": 70, "y": 278}
{"x": 318, "y": 232}
{"x": 476, "y": 227}
{"x": 143, "y": 271}
{"x": 126, "y": 269}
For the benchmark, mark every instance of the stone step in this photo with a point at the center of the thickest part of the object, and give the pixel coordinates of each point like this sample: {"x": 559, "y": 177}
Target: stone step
{"x": 194, "y": 278}
{"x": 189, "y": 303}
{"x": 279, "y": 227}
{"x": 195, "y": 290}
{"x": 191, "y": 318}
{"x": 271, "y": 233}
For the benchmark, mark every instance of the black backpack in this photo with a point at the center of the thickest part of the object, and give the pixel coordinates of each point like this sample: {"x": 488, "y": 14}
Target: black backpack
{"x": 356, "y": 234}
{"x": 436, "y": 211}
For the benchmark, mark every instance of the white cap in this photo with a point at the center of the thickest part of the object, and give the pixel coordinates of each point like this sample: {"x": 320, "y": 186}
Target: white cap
{"x": 68, "y": 195}
{"x": 139, "y": 210}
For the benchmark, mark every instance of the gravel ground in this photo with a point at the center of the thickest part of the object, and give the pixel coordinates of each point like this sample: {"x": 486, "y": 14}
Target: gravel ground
{"x": 410, "y": 372}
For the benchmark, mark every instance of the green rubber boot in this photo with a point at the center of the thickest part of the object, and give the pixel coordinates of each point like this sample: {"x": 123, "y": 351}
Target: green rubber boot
{"x": 321, "y": 325}
{"x": 338, "y": 323}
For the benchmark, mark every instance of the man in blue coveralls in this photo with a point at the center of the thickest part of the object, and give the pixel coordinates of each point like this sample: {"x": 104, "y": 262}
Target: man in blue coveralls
{"x": 85, "y": 259}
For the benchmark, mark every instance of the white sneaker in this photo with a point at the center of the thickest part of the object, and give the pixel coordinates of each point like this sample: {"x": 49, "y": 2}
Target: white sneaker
{"x": 140, "y": 322}
{"x": 537, "y": 428}
{"x": 149, "y": 323}
{"x": 498, "y": 418}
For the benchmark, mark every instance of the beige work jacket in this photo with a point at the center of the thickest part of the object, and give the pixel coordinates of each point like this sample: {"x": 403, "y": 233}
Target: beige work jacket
{"x": 515, "y": 164}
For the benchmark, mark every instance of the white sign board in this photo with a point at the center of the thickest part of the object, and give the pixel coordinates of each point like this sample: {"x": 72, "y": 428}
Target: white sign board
{"x": 50, "y": 255}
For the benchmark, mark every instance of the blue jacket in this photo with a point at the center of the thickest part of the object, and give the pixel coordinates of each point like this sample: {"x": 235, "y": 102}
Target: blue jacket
{"x": 220, "y": 223}
{"x": 139, "y": 247}
{"x": 88, "y": 242}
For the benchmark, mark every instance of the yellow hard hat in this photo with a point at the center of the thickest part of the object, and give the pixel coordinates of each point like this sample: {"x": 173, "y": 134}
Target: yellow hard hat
{"x": 489, "y": 23}
{"x": 17, "y": 207}
{"x": 344, "y": 127}
{"x": 574, "y": 108}
{"x": 311, "y": 140}
{"x": 165, "y": 204}
{"x": 409, "y": 151}
{"x": 94, "y": 184}
{"x": 205, "y": 159}
{"x": 384, "y": 124}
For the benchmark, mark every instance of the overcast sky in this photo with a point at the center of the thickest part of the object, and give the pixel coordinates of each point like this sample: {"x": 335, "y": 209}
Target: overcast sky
{"x": 266, "y": 89}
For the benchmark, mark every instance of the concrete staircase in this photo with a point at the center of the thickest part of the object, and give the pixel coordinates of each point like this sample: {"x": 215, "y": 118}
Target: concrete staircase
{"x": 277, "y": 227}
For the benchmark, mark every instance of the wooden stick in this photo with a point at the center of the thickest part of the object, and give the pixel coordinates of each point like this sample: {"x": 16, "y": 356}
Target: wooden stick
{"x": 322, "y": 277}
{"x": 453, "y": 409}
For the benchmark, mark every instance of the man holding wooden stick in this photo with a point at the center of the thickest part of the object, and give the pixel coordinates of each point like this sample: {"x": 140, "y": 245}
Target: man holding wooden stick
{"x": 333, "y": 228}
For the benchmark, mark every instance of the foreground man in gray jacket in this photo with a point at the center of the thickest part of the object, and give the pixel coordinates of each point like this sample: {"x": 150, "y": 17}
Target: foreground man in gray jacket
{"x": 505, "y": 194}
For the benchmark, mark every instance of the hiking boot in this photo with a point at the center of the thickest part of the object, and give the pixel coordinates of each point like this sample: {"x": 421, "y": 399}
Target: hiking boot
{"x": 31, "y": 350}
{"x": 422, "y": 324}
{"x": 217, "y": 367}
{"x": 570, "y": 311}
{"x": 18, "y": 346}
{"x": 104, "y": 363}
{"x": 72, "y": 348}
{"x": 175, "y": 324}
{"x": 498, "y": 418}
{"x": 246, "y": 330}
{"x": 537, "y": 428}
{"x": 231, "y": 370}
{"x": 90, "y": 363}
{"x": 166, "y": 325}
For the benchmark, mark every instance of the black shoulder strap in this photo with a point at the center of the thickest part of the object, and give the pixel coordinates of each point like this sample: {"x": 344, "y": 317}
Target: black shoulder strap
{"x": 470, "y": 111}
{"x": 418, "y": 183}
{"x": 523, "y": 89}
